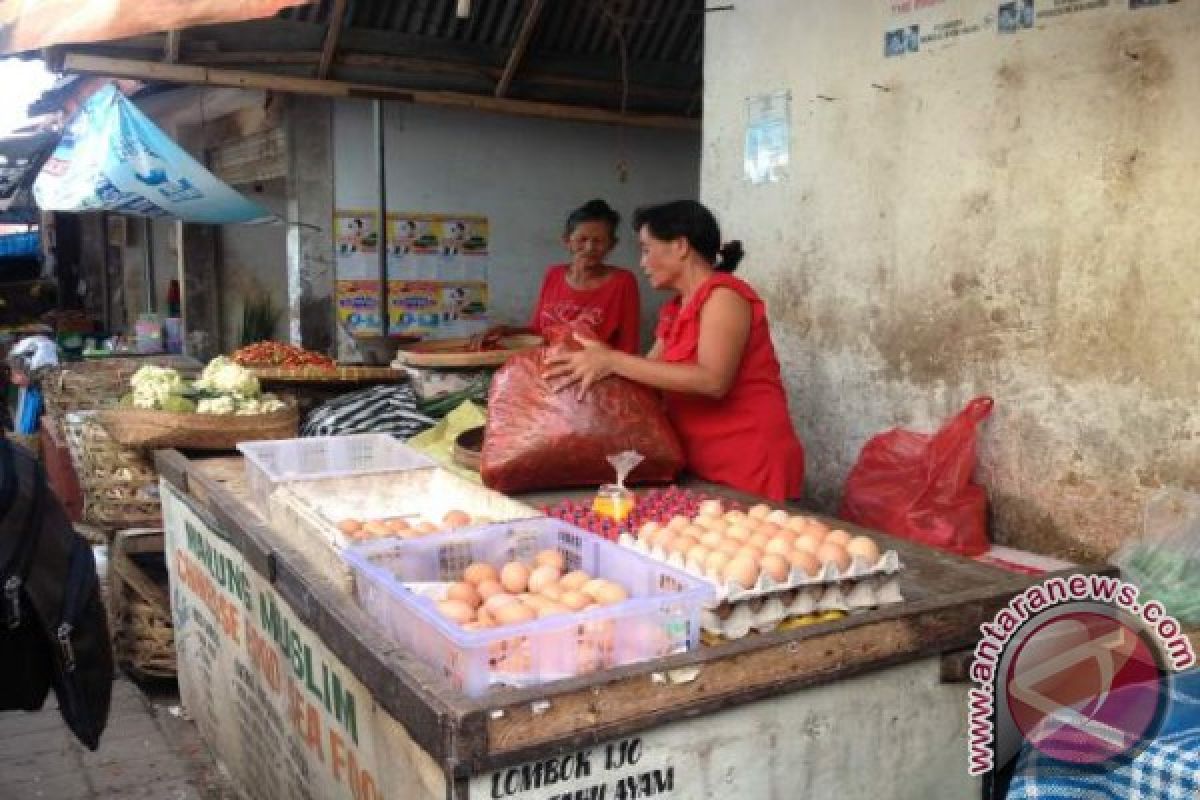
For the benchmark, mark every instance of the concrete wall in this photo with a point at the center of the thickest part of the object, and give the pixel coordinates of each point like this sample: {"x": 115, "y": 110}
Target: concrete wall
{"x": 1004, "y": 214}
{"x": 525, "y": 175}
{"x": 253, "y": 261}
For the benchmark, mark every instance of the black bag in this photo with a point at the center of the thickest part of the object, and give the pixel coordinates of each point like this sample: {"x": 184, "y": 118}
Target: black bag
{"x": 53, "y": 629}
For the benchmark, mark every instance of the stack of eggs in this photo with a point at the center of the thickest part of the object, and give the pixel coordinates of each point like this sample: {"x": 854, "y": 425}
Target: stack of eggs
{"x": 517, "y": 592}
{"x": 734, "y": 548}
{"x": 358, "y": 530}
{"x": 653, "y": 505}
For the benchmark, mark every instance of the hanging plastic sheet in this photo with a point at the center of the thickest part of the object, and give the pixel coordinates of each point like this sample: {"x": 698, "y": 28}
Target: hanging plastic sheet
{"x": 33, "y": 24}
{"x": 113, "y": 158}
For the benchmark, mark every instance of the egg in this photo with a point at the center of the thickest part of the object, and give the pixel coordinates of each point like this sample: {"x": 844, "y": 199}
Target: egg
{"x": 484, "y": 618}
{"x": 574, "y": 580}
{"x": 759, "y": 539}
{"x": 738, "y": 532}
{"x": 719, "y": 525}
{"x": 697, "y": 555}
{"x": 426, "y": 528}
{"x": 551, "y": 609}
{"x": 489, "y": 588}
{"x": 610, "y": 594}
{"x": 497, "y": 602}
{"x": 543, "y": 576}
{"x": 779, "y": 546}
{"x": 751, "y": 552}
{"x": 398, "y": 525}
{"x": 865, "y": 548}
{"x": 592, "y": 587}
{"x": 704, "y": 522}
{"x": 818, "y": 527}
{"x": 457, "y": 611}
{"x": 797, "y": 524}
{"x": 741, "y": 572}
{"x": 552, "y": 591}
{"x": 574, "y": 600}
{"x": 456, "y": 519}
{"x": 682, "y": 544}
{"x": 729, "y": 547}
{"x": 665, "y": 540}
{"x": 759, "y": 511}
{"x": 514, "y": 614}
{"x": 349, "y": 526}
{"x": 534, "y": 601}
{"x": 376, "y": 528}
{"x": 678, "y": 523}
{"x": 710, "y": 508}
{"x": 550, "y": 558}
{"x": 776, "y": 566}
{"x": 479, "y": 572}
{"x": 514, "y": 576}
{"x": 838, "y": 537}
{"x": 647, "y": 529}
{"x": 805, "y": 561}
{"x": 735, "y": 516}
{"x": 464, "y": 593}
{"x": 778, "y": 517}
{"x": 711, "y": 539}
{"x": 807, "y": 541}
{"x": 693, "y": 531}
{"x": 715, "y": 563}
{"x": 830, "y": 553}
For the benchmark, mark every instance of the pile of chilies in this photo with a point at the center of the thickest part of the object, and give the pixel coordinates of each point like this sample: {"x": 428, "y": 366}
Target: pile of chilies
{"x": 277, "y": 354}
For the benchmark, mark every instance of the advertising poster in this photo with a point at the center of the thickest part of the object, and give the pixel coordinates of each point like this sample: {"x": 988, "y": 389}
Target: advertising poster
{"x": 356, "y": 244}
{"x": 437, "y": 274}
{"x": 437, "y": 309}
{"x": 359, "y": 307}
{"x": 916, "y": 26}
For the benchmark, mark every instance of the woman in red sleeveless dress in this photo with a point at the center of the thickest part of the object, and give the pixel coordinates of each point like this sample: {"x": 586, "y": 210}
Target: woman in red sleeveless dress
{"x": 712, "y": 358}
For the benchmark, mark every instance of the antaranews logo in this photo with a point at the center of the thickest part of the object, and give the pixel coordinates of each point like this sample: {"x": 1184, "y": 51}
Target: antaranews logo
{"x": 1075, "y": 667}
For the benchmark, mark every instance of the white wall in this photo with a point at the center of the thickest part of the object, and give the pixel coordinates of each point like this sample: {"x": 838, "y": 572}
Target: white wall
{"x": 525, "y": 175}
{"x": 253, "y": 259}
{"x": 1006, "y": 214}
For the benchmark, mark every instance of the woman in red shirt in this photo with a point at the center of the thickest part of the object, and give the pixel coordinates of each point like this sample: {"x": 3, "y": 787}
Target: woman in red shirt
{"x": 712, "y": 358}
{"x": 586, "y": 290}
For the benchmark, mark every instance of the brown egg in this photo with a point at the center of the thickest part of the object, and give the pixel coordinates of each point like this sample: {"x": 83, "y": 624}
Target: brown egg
{"x": 593, "y": 587}
{"x": 778, "y": 517}
{"x": 739, "y": 532}
{"x": 797, "y": 524}
{"x": 678, "y": 523}
{"x": 398, "y": 525}
{"x": 464, "y": 593}
{"x": 751, "y": 552}
{"x": 574, "y": 600}
{"x": 647, "y": 530}
{"x": 479, "y": 572}
{"x": 710, "y": 508}
{"x": 610, "y": 594}
{"x": 697, "y": 555}
{"x": 838, "y": 537}
{"x": 543, "y": 576}
{"x": 498, "y": 601}
{"x": 759, "y": 511}
{"x": 735, "y": 516}
{"x": 426, "y": 528}
{"x": 514, "y": 614}
{"x": 349, "y": 526}
{"x": 719, "y": 525}
{"x": 834, "y": 553}
{"x": 776, "y": 566}
{"x": 741, "y": 572}
{"x": 704, "y": 522}
{"x": 779, "y": 546}
{"x": 694, "y": 531}
{"x": 489, "y": 588}
{"x": 514, "y": 577}
{"x": 805, "y": 561}
{"x": 759, "y": 539}
{"x": 456, "y": 519}
{"x": 716, "y": 561}
{"x": 729, "y": 547}
{"x": 807, "y": 541}
{"x": 457, "y": 611}
{"x": 484, "y": 618}
{"x": 665, "y": 540}
{"x": 534, "y": 601}
{"x": 376, "y": 528}
{"x": 865, "y": 548}
{"x": 818, "y": 527}
{"x": 711, "y": 539}
{"x": 574, "y": 580}
{"x": 552, "y": 591}
{"x": 550, "y": 558}
{"x": 682, "y": 544}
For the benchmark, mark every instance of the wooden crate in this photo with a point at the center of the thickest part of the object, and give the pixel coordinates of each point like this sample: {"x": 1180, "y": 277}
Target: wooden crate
{"x": 139, "y": 604}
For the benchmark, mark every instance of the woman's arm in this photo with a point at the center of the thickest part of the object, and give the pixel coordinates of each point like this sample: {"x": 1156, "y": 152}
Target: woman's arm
{"x": 724, "y": 330}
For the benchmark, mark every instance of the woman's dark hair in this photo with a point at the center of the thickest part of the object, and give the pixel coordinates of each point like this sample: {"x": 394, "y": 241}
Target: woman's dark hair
{"x": 687, "y": 219}
{"x": 593, "y": 211}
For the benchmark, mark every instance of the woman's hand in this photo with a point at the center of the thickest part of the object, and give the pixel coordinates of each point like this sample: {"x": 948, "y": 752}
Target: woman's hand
{"x": 587, "y": 366}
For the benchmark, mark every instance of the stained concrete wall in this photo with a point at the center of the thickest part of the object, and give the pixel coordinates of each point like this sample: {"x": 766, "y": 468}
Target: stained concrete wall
{"x": 525, "y": 175}
{"x": 1002, "y": 214}
{"x": 253, "y": 262}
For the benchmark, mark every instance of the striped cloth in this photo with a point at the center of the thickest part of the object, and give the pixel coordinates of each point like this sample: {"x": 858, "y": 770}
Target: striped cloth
{"x": 380, "y": 409}
{"x": 1167, "y": 768}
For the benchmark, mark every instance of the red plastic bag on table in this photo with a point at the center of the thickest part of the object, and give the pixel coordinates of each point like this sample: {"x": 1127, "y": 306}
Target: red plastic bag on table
{"x": 918, "y": 486}
{"x": 537, "y": 438}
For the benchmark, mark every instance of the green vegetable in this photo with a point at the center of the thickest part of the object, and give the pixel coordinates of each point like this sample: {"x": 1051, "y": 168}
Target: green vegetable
{"x": 178, "y": 403}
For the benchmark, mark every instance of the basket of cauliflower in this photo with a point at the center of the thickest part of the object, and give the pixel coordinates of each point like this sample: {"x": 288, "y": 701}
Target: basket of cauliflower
{"x": 224, "y": 406}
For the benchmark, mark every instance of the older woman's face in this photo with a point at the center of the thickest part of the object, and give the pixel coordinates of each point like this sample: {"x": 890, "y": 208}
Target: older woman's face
{"x": 660, "y": 260}
{"x": 590, "y": 243}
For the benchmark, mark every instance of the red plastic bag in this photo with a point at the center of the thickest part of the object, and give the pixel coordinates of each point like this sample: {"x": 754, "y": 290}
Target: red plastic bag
{"x": 537, "y": 438}
{"x": 918, "y": 485}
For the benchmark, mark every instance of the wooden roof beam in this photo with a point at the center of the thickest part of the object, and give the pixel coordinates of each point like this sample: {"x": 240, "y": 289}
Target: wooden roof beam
{"x": 336, "y": 18}
{"x": 240, "y": 79}
{"x": 171, "y": 47}
{"x": 519, "y": 47}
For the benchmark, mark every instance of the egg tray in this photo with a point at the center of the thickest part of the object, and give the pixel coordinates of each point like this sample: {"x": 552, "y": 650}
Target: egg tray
{"x": 764, "y": 613}
{"x": 888, "y": 564}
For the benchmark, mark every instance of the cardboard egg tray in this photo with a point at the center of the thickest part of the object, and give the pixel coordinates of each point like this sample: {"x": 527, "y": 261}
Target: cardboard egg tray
{"x": 737, "y": 611}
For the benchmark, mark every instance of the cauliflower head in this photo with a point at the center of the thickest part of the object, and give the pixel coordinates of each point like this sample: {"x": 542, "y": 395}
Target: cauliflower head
{"x": 153, "y": 385}
{"x": 225, "y": 376}
{"x": 216, "y": 405}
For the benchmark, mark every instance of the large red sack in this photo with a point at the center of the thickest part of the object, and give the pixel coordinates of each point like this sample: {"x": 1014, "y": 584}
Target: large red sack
{"x": 537, "y": 438}
{"x": 918, "y": 485}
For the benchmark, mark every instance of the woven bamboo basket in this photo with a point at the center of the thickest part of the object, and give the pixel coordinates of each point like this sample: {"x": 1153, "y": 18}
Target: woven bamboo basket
{"x": 120, "y": 485}
{"x": 89, "y": 385}
{"x": 148, "y": 430}
{"x": 139, "y": 606}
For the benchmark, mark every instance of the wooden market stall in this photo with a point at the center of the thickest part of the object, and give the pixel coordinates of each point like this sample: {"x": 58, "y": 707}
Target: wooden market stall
{"x": 301, "y": 694}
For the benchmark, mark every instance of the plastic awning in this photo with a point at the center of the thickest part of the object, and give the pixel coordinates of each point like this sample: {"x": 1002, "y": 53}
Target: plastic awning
{"x": 113, "y": 158}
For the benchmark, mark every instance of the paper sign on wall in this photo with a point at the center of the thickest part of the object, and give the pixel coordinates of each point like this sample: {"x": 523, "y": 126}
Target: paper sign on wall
{"x": 356, "y": 254}
{"x": 437, "y": 274}
{"x": 768, "y": 137}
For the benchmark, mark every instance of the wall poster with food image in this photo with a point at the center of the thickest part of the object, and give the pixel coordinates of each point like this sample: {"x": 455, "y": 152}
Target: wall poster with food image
{"x": 356, "y": 255}
{"x": 437, "y": 274}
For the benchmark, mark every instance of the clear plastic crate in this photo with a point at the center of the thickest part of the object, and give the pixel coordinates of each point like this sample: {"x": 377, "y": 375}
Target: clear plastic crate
{"x": 271, "y": 464}
{"x": 398, "y": 584}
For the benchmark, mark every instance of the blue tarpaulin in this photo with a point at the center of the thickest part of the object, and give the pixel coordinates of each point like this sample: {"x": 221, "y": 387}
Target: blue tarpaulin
{"x": 113, "y": 158}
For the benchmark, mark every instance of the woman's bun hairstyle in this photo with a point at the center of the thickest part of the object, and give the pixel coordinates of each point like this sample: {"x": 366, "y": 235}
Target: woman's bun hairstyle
{"x": 687, "y": 219}
{"x": 593, "y": 211}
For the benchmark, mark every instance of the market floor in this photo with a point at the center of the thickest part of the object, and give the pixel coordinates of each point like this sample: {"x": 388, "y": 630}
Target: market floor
{"x": 148, "y": 751}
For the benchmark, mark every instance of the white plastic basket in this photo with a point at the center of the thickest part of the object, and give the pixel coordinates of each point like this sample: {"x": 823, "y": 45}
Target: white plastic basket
{"x": 272, "y": 464}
